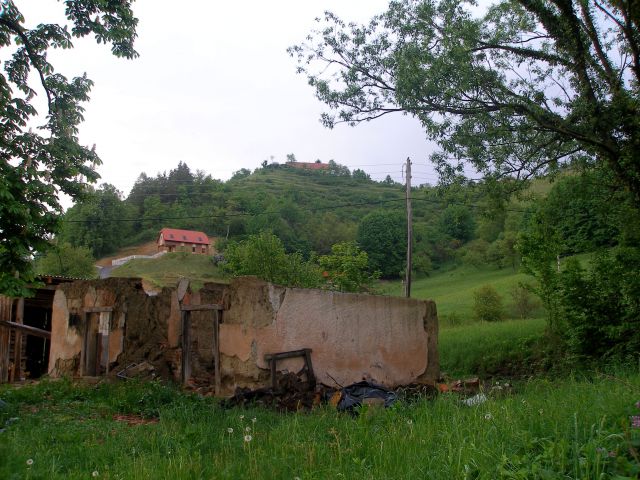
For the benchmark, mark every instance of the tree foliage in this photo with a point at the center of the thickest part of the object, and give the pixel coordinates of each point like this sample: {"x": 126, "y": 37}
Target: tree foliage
{"x": 264, "y": 256}
{"x": 37, "y": 165}
{"x": 383, "y": 235}
{"x": 516, "y": 90}
{"x": 601, "y": 305}
{"x": 97, "y": 223}
{"x": 347, "y": 268}
{"x": 67, "y": 261}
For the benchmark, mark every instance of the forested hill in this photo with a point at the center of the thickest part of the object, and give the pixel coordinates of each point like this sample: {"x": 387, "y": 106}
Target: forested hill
{"x": 312, "y": 210}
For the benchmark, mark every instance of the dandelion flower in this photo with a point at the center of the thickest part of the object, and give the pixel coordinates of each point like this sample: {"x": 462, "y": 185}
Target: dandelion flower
{"x": 254, "y": 420}
{"x": 247, "y": 429}
{"x": 248, "y": 438}
{"x": 95, "y": 473}
{"x": 229, "y": 430}
{"x": 488, "y": 416}
{"x": 30, "y": 461}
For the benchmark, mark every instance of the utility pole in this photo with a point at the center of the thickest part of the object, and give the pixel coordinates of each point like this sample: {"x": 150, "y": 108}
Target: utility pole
{"x": 407, "y": 283}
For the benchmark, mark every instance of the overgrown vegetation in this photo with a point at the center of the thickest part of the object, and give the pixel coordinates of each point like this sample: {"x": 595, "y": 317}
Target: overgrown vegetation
{"x": 577, "y": 428}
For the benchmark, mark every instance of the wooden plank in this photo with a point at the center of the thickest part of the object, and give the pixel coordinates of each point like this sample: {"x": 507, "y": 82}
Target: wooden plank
{"x": 272, "y": 365}
{"x": 17, "y": 344}
{"x": 183, "y": 286}
{"x": 291, "y": 354}
{"x": 4, "y": 354}
{"x": 186, "y": 346}
{"x": 98, "y": 363}
{"x": 97, "y": 309}
{"x": 201, "y": 308}
{"x": 5, "y": 340}
{"x": 216, "y": 350}
{"x": 37, "y": 332}
{"x": 311, "y": 377}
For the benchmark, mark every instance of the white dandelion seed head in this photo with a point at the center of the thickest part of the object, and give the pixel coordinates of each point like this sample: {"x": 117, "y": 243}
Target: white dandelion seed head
{"x": 247, "y": 429}
{"x": 94, "y": 473}
{"x": 241, "y": 417}
{"x": 409, "y": 422}
{"x": 229, "y": 430}
{"x": 488, "y": 416}
{"x": 254, "y": 420}
{"x": 30, "y": 461}
{"x": 541, "y": 411}
{"x": 248, "y": 438}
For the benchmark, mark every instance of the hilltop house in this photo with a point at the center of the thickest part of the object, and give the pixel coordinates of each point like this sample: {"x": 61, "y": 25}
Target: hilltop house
{"x": 176, "y": 240}
{"x": 309, "y": 166}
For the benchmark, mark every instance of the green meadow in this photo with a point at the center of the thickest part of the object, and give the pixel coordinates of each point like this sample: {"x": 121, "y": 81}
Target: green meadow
{"x": 575, "y": 427}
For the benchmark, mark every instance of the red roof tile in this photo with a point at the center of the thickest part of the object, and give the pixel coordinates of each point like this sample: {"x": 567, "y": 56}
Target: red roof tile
{"x": 186, "y": 236}
{"x": 309, "y": 166}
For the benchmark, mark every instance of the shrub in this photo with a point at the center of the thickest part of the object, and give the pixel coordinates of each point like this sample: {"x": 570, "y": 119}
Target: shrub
{"x": 487, "y": 304}
{"x": 347, "y": 268}
{"x": 264, "y": 256}
{"x": 524, "y": 302}
{"x": 601, "y": 305}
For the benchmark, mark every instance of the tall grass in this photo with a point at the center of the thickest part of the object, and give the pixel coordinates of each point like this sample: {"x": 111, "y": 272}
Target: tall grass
{"x": 576, "y": 428}
{"x": 508, "y": 348}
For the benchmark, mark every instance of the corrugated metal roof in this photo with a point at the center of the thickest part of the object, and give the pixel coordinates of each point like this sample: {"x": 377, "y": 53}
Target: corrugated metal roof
{"x": 186, "y": 236}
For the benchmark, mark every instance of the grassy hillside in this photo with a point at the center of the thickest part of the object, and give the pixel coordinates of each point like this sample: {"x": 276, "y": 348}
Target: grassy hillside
{"x": 452, "y": 290}
{"x": 147, "y": 248}
{"x": 168, "y": 269}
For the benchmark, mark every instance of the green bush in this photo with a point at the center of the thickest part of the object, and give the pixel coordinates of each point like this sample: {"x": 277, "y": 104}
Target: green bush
{"x": 347, "y": 268}
{"x": 524, "y": 302}
{"x": 264, "y": 256}
{"x": 487, "y": 304}
{"x": 601, "y": 305}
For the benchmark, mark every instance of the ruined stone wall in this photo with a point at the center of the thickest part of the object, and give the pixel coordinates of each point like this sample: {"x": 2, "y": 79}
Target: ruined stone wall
{"x": 390, "y": 340}
{"x": 137, "y": 330}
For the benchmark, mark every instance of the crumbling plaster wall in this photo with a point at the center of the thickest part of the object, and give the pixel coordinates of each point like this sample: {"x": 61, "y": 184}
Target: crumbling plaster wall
{"x": 137, "y": 331}
{"x": 390, "y": 340}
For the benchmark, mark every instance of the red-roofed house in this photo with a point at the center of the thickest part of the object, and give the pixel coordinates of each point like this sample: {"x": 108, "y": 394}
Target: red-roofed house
{"x": 176, "y": 240}
{"x": 308, "y": 166}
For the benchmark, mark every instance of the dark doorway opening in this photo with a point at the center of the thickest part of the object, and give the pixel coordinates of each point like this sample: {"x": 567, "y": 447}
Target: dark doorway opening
{"x": 37, "y": 313}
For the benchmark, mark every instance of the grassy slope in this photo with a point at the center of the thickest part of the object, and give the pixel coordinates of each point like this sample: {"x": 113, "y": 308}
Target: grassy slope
{"x": 147, "y": 248}
{"x": 168, "y": 269}
{"x": 565, "y": 429}
{"x": 452, "y": 290}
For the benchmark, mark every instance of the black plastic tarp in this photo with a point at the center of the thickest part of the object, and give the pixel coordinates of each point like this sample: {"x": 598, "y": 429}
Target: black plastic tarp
{"x": 354, "y": 395}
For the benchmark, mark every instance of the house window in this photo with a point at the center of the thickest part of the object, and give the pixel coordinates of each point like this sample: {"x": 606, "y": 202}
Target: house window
{"x": 193, "y": 249}
{"x": 204, "y": 249}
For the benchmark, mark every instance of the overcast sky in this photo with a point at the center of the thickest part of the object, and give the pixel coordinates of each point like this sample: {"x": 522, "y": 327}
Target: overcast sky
{"x": 214, "y": 87}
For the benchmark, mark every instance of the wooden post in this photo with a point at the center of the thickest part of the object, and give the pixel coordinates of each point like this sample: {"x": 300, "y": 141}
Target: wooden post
{"x": 17, "y": 344}
{"x": 186, "y": 346}
{"x": 5, "y": 338}
{"x": 407, "y": 286}
{"x": 216, "y": 349}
